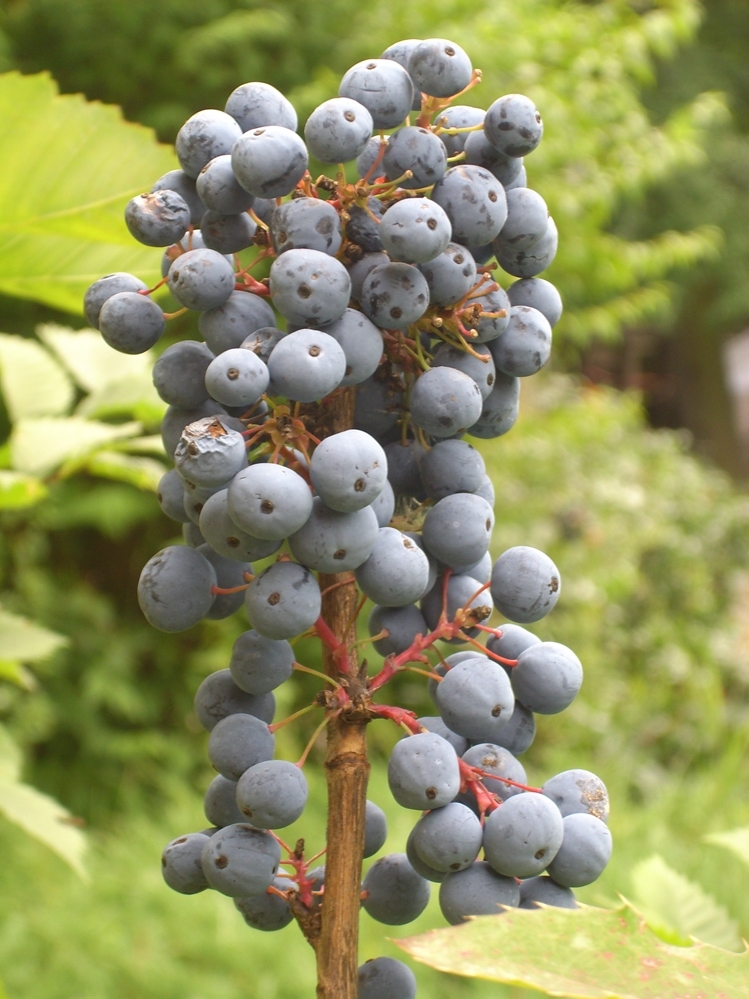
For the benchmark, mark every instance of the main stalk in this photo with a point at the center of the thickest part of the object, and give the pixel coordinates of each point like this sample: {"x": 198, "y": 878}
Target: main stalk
{"x": 347, "y": 773}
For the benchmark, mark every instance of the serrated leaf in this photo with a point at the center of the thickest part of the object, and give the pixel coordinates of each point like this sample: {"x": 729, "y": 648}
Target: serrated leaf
{"x": 585, "y": 953}
{"x": 18, "y": 490}
{"x": 33, "y": 382}
{"x": 69, "y": 168}
{"x": 26, "y": 641}
{"x": 90, "y": 360}
{"x": 144, "y": 473}
{"x": 40, "y": 446}
{"x": 737, "y": 840}
{"x": 679, "y": 909}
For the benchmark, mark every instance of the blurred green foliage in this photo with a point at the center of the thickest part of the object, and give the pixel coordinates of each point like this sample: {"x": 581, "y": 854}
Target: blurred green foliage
{"x": 652, "y": 545}
{"x": 585, "y": 65}
{"x": 717, "y": 192}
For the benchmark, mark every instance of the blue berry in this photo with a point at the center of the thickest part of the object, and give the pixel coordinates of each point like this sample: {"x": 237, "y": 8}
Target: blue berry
{"x": 204, "y": 136}
{"x": 338, "y": 130}
{"x": 383, "y": 87}
{"x": 269, "y": 161}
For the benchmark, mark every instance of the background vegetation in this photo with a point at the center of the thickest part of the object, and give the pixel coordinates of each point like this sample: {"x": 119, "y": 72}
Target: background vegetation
{"x": 644, "y": 167}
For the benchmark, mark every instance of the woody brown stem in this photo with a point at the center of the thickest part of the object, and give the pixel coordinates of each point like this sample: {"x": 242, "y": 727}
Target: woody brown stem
{"x": 347, "y": 773}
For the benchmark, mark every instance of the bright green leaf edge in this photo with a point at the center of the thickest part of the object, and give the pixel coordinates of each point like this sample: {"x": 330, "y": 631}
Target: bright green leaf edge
{"x": 585, "y": 953}
{"x": 38, "y": 814}
{"x": 44, "y": 819}
{"x": 736, "y": 840}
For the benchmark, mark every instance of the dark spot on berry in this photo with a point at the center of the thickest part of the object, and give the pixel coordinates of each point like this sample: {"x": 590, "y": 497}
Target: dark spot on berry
{"x": 496, "y": 711}
{"x": 304, "y": 291}
{"x": 182, "y": 839}
{"x": 192, "y": 448}
{"x": 454, "y": 867}
{"x": 267, "y": 506}
{"x": 247, "y": 811}
{"x": 431, "y": 793}
{"x": 233, "y": 542}
{"x": 554, "y": 584}
{"x": 232, "y": 374}
{"x": 274, "y": 598}
{"x": 396, "y": 313}
{"x": 538, "y": 117}
{"x": 458, "y": 258}
{"x": 282, "y": 237}
{"x": 348, "y": 370}
{"x": 349, "y": 116}
{"x": 490, "y": 379}
{"x": 492, "y": 195}
{"x": 314, "y": 351}
{"x": 340, "y": 554}
{"x": 540, "y": 854}
{"x": 176, "y": 275}
{"x": 221, "y": 862}
{"x": 258, "y": 131}
{"x": 431, "y": 223}
{"x": 371, "y": 65}
{"x": 449, "y": 50}
{"x": 359, "y": 485}
{"x": 444, "y": 421}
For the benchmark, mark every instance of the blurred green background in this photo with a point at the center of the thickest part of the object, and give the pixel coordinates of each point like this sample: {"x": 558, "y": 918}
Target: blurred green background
{"x": 644, "y": 165}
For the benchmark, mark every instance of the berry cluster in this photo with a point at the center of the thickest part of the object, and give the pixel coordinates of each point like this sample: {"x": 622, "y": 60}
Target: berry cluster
{"x": 332, "y": 439}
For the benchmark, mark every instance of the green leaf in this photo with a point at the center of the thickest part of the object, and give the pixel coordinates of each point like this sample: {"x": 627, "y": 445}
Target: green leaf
{"x": 152, "y": 444}
{"x": 134, "y": 395}
{"x": 17, "y": 674}
{"x": 585, "y": 953}
{"x": 33, "y": 382}
{"x": 25, "y": 641}
{"x": 69, "y": 168}
{"x": 736, "y": 840}
{"x": 144, "y": 473}
{"x": 90, "y": 360}
{"x": 46, "y": 820}
{"x": 678, "y": 909}
{"x": 18, "y": 490}
{"x": 40, "y": 446}
{"x": 37, "y": 813}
